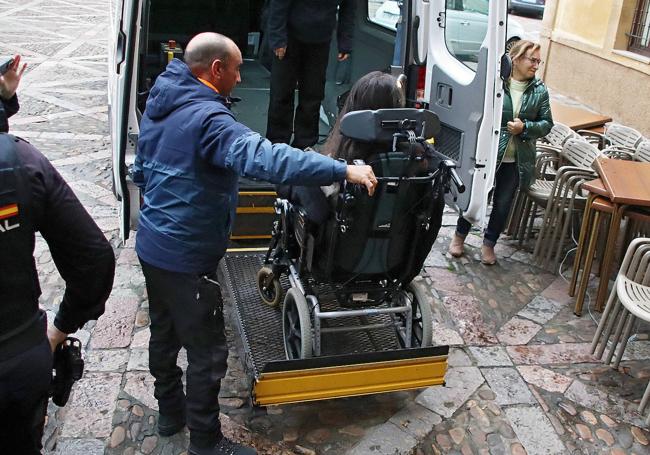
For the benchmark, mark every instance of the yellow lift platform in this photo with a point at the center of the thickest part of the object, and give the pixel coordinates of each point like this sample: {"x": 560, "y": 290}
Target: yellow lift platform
{"x": 353, "y": 363}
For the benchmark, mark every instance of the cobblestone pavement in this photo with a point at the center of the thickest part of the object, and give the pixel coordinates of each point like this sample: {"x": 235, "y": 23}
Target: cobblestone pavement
{"x": 520, "y": 376}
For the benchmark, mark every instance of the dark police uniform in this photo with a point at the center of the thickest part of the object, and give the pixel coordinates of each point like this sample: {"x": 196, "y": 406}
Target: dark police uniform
{"x": 34, "y": 197}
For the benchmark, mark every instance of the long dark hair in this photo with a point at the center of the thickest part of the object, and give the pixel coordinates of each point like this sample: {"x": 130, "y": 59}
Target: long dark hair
{"x": 375, "y": 90}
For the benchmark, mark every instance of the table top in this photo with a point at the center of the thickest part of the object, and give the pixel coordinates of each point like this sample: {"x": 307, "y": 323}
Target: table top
{"x": 625, "y": 181}
{"x": 596, "y": 186}
{"x": 577, "y": 118}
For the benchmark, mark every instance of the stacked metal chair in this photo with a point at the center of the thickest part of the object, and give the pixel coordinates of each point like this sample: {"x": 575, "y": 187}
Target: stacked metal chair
{"x": 628, "y": 301}
{"x": 561, "y": 198}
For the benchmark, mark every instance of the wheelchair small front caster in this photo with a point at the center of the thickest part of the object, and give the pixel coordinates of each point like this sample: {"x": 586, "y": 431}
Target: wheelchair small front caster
{"x": 268, "y": 287}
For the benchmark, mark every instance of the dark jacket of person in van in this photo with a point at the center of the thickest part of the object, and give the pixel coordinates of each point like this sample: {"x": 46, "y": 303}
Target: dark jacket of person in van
{"x": 191, "y": 151}
{"x": 311, "y": 21}
{"x": 7, "y": 109}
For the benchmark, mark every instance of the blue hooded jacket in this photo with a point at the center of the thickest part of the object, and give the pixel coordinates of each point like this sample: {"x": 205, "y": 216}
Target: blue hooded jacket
{"x": 190, "y": 153}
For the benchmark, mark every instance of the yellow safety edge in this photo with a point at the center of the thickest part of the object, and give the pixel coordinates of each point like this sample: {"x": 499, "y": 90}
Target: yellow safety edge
{"x": 255, "y": 210}
{"x": 345, "y": 381}
{"x": 258, "y": 193}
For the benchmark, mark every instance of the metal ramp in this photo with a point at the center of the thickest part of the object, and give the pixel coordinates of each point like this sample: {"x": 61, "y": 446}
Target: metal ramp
{"x": 353, "y": 363}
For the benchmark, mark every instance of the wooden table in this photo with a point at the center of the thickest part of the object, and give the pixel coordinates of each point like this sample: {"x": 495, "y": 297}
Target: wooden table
{"x": 577, "y": 118}
{"x": 626, "y": 183}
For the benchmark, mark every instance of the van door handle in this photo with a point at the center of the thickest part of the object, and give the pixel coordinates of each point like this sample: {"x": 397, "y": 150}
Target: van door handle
{"x": 466, "y": 23}
{"x": 119, "y": 50}
{"x": 444, "y": 95}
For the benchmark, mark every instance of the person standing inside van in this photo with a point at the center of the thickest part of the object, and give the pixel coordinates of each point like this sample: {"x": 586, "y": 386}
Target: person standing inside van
{"x": 190, "y": 153}
{"x": 526, "y": 117}
{"x": 300, "y": 32}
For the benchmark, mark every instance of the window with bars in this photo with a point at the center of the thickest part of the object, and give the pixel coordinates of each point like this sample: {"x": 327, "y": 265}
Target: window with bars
{"x": 639, "y": 36}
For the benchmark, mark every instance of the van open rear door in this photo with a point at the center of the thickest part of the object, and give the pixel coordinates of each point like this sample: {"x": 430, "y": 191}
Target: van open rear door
{"x": 460, "y": 82}
{"x": 122, "y": 114}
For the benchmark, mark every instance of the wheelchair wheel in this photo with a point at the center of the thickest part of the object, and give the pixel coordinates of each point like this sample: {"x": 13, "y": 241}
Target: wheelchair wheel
{"x": 270, "y": 293}
{"x": 296, "y": 326}
{"x": 421, "y": 317}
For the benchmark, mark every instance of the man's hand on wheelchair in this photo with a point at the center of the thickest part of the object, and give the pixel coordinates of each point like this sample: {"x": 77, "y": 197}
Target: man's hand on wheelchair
{"x": 362, "y": 175}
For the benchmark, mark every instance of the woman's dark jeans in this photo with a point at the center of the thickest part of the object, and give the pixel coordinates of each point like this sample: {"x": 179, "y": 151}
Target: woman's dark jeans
{"x": 506, "y": 183}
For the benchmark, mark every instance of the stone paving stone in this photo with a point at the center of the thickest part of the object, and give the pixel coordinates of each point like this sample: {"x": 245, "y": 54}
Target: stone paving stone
{"x": 558, "y": 291}
{"x": 612, "y": 405}
{"x": 544, "y": 378}
{"x": 139, "y": 360}
{"x": 461, "y": 383}
{"x": 89, "y": 412}
{"x": 140, "y": 387}
{"x": 540, "y": 310}
{"x": 141, "y": 339}
{"x": 91, "y": 189}
{"x": 435, "y": 259}
{"x": 458, "y": 358}
{"x": 79, "y": 447}
{"x": 469, "y": 319}
{"x": 490, "y": 356}
{"x": 551, "y": 354}
{"x": 386, "y": 439}
{"x": 517, "y": 331}
{"x": 535, "y": 431}
{"x": 446, "y": 281}
{"x": 445, "y": 336}
{"x": 106, "y": 360}
{"x": 508, "y": 386}
{"x": 416, "y": 420}
{"x": 114, "y": 327}
{"x": 637, "y": 350}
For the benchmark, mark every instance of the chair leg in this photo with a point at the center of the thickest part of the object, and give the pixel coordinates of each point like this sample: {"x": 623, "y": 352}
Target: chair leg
{"x": 531, "y": 221}
{"x": 514, "y": 217}
{"x": 521, "y": 223}
{"x": 644, "y": 401}
{"x": 607, "y": 314}
{"x": 586, "y": 272}
{"x": 617, "y": 335}
{"x": 626, "y": 336}
{"x": 608, "y": 257}
{"x": 586, "y": 220}
{"x": 616, "y": 314}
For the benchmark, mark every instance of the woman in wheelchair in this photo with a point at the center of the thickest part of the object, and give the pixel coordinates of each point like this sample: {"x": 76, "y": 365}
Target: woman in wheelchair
{"x": 350, "y": 255}
{"x": 375, "y": 90}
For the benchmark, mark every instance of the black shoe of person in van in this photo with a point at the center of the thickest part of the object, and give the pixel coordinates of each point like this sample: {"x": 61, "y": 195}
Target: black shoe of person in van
{"x": 169, "y": 425}
{"x": 223, "y": 447}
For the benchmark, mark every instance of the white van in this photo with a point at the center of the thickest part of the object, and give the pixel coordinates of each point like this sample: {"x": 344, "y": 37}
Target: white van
{"x": 465, "y": 91}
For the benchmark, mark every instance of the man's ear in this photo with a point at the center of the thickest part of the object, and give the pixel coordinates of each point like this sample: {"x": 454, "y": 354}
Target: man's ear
{"x": 216, "y": 68}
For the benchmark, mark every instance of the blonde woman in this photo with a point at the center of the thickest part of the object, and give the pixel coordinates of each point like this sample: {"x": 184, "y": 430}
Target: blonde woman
{"x": 526, "y": 117}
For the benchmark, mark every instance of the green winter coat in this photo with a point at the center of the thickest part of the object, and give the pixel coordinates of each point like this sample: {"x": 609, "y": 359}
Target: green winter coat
{"x": 535, "y": 112}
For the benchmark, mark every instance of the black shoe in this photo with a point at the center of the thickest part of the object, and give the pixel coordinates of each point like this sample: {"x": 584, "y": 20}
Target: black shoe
{"x": 169, "y": 425}
{"x": 224, "y": 447}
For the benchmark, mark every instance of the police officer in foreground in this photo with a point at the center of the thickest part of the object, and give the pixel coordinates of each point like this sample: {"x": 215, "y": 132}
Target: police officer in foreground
{"x": 34, "y": 197}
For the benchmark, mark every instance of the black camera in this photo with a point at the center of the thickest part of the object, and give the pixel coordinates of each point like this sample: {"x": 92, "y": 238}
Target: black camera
{"x": 5, "y": 64}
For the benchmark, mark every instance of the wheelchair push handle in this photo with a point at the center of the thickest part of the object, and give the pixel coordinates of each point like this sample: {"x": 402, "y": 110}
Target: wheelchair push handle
{"x": 460, "y": 186}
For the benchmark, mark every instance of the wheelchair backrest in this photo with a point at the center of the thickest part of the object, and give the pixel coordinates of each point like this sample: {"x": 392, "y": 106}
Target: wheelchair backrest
{"x": 383, "y": 236}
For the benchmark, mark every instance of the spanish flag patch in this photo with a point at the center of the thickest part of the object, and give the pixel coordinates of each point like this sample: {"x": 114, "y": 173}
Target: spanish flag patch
{"x": 8, "y": 211}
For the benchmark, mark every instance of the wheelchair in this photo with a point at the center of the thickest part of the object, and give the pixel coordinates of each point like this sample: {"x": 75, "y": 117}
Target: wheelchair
{"x": 355, "y": 271}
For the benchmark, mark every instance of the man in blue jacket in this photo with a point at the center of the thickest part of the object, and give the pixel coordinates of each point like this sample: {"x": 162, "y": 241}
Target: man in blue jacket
{"x": 299, "y": 33}
{"x": 191, "y": 151}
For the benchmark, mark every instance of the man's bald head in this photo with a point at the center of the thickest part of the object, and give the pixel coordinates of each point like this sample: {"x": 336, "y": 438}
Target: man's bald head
{"x": 205, "y": 48}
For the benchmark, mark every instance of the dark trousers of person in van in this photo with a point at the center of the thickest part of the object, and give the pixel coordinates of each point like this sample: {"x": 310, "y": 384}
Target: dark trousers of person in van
{"x": 24, "y": 389}
{"x": 506, "y": 183}
{"x": 186, "y": 310}
{"x": 306, "y": 65}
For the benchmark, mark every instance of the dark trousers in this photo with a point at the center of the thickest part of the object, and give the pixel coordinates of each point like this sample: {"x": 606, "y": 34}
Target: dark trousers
{"x": 506, "y": 183}
{"x": 24, "y": 386}
{"x": 186, "y": 310}
{"x": 306, "y": 65}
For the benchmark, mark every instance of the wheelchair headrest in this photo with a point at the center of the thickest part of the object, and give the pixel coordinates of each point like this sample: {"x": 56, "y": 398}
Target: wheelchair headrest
{"x": 382, "y": 124}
